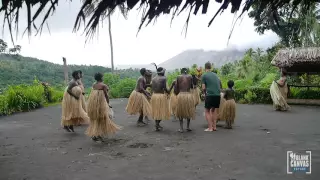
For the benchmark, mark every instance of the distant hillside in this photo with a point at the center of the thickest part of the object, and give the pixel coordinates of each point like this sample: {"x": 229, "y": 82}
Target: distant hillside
{"x": 200, "y": 57}
{"x": 16, "y": 69}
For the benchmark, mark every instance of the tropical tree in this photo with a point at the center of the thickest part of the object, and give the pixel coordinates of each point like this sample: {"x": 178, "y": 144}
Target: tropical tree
{"x": 3, "y": 46}
{"x": 12, "y": 50}
{"x": 295, "y": 25}
{"x": 17, "y": 48}
{"x": 107, "y": 13}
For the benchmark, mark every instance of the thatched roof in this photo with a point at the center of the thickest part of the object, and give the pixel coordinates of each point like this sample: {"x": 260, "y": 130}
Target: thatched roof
{"x": 95, "y": 10}
{"x": 298, "y": 59}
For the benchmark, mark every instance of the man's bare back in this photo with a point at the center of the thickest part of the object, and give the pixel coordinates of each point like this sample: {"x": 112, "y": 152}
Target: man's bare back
{"x": 141, "y": 86}
{"x": 184, "y": 83}
{"x": 159, "y": 84}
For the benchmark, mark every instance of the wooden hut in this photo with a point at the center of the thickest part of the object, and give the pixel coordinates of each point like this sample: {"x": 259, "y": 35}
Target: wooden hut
{"x": 298, "y": 61}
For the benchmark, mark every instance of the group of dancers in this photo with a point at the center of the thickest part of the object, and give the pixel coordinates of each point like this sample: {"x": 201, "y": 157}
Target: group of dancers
{"x": 159, "y": 104}
{"x": 96, "y": 112}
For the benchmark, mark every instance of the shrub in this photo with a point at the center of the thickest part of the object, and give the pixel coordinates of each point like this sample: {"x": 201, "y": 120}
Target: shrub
{"x": 267, "y": 80}
{"x": 26, "y": 97}
{"x": 253, "y": 95}
{"x": 123, "y": 88}
{"x": 242, "y": 84}
{"x": 250, "y": 96}
{"x": 56, "y": 95}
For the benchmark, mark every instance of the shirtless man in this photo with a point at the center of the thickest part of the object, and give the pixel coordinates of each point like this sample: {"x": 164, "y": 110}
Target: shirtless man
{"x": 185, "y": 100}
{"x": 142, "y": 101}
{"x": 159, "y": 88}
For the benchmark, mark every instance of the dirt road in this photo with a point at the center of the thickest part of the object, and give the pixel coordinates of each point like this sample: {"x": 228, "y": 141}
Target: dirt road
{"x": 34, "y": 147}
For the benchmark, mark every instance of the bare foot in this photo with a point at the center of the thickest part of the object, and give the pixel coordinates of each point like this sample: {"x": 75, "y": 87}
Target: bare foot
{"x": 95, "y": 139}
{"x": 140, "y": 123}
{"x": 100, "y": 138}
{"x": 71, "y": 128}
{"x": 66, "y": 128}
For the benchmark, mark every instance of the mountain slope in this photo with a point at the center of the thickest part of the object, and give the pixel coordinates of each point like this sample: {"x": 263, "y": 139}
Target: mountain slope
{"x": 16, "y": 69}
{"x": 200, "y": 57}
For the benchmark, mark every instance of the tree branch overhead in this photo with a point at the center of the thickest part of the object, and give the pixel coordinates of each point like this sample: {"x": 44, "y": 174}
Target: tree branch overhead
{"x": 154, "y": 8}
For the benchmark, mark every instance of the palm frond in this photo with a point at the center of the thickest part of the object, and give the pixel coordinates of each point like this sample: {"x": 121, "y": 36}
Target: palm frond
{"x": 95, "y": 10}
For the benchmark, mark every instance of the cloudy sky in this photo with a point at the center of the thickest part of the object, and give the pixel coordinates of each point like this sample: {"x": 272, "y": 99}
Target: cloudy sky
{"x": 155, "y": 43}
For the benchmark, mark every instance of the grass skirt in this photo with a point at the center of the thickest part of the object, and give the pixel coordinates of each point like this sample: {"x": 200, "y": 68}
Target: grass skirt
{"x": 196, "y": 95}
{"x": 72, "y": 111}
{"x": 138, "y": 103}
{"x": 228, "y": 112}
{"x": 220, "y": 109}
{"x": 279, "y": 96}
{"x": 160, "y": 106}
{"x": 98, "y": 111}
{"x": 173, "y": 103}
{"x": 185, "y": 106}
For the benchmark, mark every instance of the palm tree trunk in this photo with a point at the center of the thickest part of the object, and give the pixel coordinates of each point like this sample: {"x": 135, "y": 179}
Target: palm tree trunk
{"x": 111, "y": 44}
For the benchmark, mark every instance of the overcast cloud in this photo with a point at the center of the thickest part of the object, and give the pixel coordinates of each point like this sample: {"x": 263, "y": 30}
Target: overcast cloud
{"x": 155, "y": 43}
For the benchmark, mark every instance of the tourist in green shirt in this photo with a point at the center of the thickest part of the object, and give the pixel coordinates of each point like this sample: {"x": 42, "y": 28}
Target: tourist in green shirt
{"x": 211, "y": 86}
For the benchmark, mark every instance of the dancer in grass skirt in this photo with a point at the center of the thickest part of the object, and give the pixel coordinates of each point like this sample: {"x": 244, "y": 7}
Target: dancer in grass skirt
{"x": 279, "y": 92}
{"x": 159, "y": 99}
{"x": 228, "y": 111}
{"x": 98, "y": 110}
{"x": 185, "y": 108}
{"x": 72, "y": 110}
{"x": 138, "y": 101}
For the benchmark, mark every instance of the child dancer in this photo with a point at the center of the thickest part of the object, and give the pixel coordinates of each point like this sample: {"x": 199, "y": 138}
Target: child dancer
{"x": 228, "y": 111}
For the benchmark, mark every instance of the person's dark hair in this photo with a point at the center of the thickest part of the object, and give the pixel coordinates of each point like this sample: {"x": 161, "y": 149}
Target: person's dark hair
{"x": 207, "y": 65}
{"x": 184, "y": 70}
{"x": 230, "y": 84}
{"x": 98, "y": 76}
{"x": 160, "y": 69}
{"x": 80, "y": 72}
{"x": 143, "y": 71}
{"x": 284, "y": 72}
{"x": 74, "y": 74}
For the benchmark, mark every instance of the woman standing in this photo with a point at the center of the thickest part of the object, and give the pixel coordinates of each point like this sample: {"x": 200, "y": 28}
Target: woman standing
{"x": 72, "y": 111}
{"x": 279, "y": 92}
{"x": 98, "y": 111}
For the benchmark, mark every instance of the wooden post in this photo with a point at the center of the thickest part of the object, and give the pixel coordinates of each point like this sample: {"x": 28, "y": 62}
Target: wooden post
{"x": 65, "y": 70}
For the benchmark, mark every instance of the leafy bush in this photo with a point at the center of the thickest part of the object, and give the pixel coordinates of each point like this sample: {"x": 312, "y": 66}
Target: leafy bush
{"x": 26, "y": 97}
{"x": 267, "y": 80}
{"x": 123, "y": 88}
{"x": 253, "y": 95}
{"x": 243, "y": 83}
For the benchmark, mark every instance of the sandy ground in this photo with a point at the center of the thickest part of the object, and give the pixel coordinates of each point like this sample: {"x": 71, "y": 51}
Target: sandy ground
{"x": 34, "y": 147}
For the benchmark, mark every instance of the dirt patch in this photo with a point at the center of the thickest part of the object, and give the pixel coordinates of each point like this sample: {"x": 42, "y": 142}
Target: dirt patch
{"x": 140, "y": 145}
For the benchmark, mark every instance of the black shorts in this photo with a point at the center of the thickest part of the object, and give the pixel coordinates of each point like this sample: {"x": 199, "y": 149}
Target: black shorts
{"x": 212, "y": 102}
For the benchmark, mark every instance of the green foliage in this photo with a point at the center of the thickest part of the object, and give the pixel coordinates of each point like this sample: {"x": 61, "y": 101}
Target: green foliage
{"x": 253, "y": 95}
{"x": 123, "y": 88}
{"x": 26, "y": 97}
{"x": 295, "y": 26}
{"x": 172, "y": 76}
{"x": 267, "y": 80}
